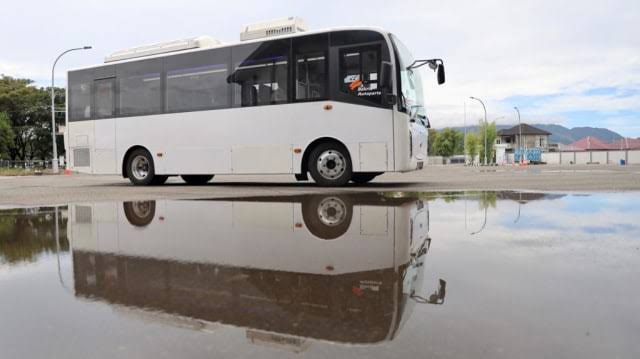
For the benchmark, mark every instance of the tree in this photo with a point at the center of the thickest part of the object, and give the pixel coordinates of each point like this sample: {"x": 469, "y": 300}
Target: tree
{"x": 6, "y": 135}
{"x": 29, "y": 110}
{"x": 448, "y": 142}
{"x": 491, "y": 139}
{"x": 432, "y": 138}
{"x": 472, "y": 145}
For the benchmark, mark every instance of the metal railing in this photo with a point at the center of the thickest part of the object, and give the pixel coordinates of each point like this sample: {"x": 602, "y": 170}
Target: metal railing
{"x": 27, "y": 164}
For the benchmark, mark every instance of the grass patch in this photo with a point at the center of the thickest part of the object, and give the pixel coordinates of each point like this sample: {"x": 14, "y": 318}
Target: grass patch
{"x": 19, "y": 172}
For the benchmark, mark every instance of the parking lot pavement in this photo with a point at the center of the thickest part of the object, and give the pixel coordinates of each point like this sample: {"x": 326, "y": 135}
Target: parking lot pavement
{"x": 62, "y": 189}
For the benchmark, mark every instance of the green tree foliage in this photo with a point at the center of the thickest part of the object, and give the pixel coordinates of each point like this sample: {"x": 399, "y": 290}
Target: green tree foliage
{"x": 472, "y": 146}
{"x": 27, "y": 233}
{"x": 448, "y": 142}
{"x": 491, "y": 139}
{"x": 6, "y": 135}
{"x": 432, "y": 138}
{"x": 29, "y": 110}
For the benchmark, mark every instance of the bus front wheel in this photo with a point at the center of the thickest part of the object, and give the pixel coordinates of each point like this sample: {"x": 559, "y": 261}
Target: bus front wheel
{"x": 330, "y": 165}
{"x": 141, "y": 170}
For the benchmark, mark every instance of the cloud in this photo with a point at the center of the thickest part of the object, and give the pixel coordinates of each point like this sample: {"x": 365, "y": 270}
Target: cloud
{"x": 495, "y": 50}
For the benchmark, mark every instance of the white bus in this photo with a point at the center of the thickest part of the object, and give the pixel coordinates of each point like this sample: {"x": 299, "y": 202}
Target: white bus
{"x": 341, "y": 104}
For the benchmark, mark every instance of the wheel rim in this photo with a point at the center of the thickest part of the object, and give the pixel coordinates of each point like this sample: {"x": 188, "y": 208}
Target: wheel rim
{"x": 332, "y": 211}
{"x": 331, "y": 164}
{"x": 141, "y": 208}
{"x": 140, "y": 167}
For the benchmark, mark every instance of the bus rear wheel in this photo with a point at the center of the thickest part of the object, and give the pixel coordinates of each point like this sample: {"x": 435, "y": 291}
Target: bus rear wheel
{"x": 330, "y": 165}
{"x": 196, "y": 179}
{"x": 364, "y": 177}
{"x": 141, "y": 170}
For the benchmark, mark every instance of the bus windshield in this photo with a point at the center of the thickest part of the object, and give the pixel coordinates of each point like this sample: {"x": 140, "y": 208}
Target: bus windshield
{"x": 411, "y": 90}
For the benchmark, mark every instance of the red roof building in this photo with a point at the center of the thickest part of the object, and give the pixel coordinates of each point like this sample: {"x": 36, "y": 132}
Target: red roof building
{"x": 626, "y": 144}
{"x": 591, "y": 143}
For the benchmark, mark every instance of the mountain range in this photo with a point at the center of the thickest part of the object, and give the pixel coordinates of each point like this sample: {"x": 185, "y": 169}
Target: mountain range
{"x": 561, "y": 134}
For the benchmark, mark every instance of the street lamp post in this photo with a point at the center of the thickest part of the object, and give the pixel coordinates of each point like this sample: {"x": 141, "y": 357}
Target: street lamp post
{"x": 54, "y": 161}
{"x": 520, "y": 136}
{"x": 486, "y": 125}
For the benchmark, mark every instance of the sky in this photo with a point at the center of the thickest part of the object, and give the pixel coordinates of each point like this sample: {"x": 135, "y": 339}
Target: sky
{"x": 574, "y": 63}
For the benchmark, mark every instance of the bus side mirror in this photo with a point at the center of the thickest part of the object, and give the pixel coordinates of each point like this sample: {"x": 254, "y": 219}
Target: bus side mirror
{"x": 441, "y": 74}
{"x": 386, "y": 75}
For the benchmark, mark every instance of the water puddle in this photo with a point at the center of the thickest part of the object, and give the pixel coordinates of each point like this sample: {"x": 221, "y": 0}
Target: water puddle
{"x": 394, "y": 274}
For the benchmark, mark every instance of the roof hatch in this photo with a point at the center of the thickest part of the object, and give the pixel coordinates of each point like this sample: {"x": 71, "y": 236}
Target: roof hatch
{"x": 283, "y": 26}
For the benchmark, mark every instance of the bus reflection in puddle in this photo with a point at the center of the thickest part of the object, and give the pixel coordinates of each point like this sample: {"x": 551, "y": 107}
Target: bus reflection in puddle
{"x": 339, "y": 268}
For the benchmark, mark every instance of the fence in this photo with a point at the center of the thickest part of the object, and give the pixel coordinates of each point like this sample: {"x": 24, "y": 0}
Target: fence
{"x": 30, "y": 164}
{"x": 592, "y": 157}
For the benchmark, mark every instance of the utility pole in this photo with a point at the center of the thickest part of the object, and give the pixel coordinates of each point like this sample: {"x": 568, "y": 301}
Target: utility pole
{"x": 486, "y": 125}
{"x": 520, "y": 139}
{"x": 54, "y": 160}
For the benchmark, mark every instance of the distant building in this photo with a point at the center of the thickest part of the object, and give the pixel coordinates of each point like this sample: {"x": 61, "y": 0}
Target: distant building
{"x": 588, "y": 143}
{"x": 626, "y": 144}
{"x": 532, "y": 137}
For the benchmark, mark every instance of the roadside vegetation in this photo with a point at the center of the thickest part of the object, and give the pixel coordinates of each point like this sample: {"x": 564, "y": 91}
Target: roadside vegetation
{"x": 25, "y": 120}
{"x": 450, "y": 142}
{"x": 19, "y": 172}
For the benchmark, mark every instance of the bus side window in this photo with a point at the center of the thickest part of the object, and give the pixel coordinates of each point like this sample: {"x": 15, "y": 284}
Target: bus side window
{"x": 311, "y": 60}
{"x": 139, "y": 84}
{"x": 359, "y": 72}
{"x": 79, "y": 97}
{"x": 197, "y": 81}
{"x": 104, "y": 98}
{"x": 260, "y": 73}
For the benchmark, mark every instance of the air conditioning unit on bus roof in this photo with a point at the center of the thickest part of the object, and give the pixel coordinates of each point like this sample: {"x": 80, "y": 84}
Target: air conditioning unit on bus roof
{"x": 162, "y": 48}
{"x": 284, "y": 26}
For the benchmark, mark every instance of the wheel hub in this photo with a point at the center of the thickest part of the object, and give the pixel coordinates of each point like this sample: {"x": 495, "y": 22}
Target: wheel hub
{"x": 332, "y": 211}
{"x": 140, "y": 167}
{"x": 331, "y": 164}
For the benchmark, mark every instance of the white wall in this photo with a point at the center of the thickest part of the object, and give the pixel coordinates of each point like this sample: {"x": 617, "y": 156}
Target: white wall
{"x": 552, "y": 158}
{"x": 632, "y": 157}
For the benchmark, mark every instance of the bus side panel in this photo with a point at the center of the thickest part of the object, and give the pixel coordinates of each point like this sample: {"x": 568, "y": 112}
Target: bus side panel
{"x": 257, "y": 140}
{"x": 81, "y": 146}
{"x": 105, "y": 147}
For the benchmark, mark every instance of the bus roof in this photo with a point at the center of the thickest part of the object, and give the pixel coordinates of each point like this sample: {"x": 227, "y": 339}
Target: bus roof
{"x": 224, "y": 45}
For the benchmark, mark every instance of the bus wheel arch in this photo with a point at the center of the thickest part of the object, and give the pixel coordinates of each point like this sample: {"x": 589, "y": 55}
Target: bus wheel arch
{"x": 315, "y": 143}
{"x": 125, "y": 158}
{"x": 326, "y": 143}
{"x": 139, "y": 167}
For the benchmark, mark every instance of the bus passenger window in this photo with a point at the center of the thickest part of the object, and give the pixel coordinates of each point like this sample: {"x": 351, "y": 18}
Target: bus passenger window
{"x": 80, "y": 100}
{"x": 104, "y": 98}
{"x": 359, "y": 72}
{"x": 260, "y": 73}
{"x": 197, "y": 81}
{"x": 140, "y": 88}
{"x": 311, "y": 76}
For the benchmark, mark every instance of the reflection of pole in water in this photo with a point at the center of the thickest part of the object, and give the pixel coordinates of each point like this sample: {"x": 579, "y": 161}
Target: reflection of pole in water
{"x": 519, "y": 204}
{"x": 57, "y": 234}
{"x": 484, "y": 223}
{"x": 465, "y": 211}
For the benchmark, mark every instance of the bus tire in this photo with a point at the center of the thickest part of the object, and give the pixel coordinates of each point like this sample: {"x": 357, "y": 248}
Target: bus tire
{"x": 327, "y": 217}
{"x": 140, "y": 213}
{"x": 330, "y": 164}
{"x": 196, "y": 179}
{"x": 364, "y": 177}
{"x": 140, "y": 168}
